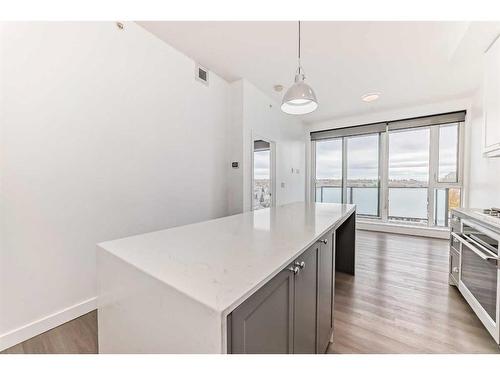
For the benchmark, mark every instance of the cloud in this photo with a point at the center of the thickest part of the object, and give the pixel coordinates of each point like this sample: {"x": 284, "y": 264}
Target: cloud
{"x": 408, "y": 155}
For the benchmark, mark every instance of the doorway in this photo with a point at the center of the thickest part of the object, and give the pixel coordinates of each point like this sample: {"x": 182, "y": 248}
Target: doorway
{"x": 262, "y": 175}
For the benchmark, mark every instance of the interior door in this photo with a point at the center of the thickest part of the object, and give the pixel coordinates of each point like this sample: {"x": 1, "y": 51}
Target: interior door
{"x": 262, "y": 177}
{"x": 305, "y": 302}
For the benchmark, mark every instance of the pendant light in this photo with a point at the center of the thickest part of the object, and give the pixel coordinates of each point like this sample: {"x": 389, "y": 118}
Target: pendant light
{"x": 300, "y": 97}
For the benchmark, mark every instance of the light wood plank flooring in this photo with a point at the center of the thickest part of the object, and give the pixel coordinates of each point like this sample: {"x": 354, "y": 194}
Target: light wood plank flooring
{"x": 78, "y": 336}
{"x": 398, "y": 302}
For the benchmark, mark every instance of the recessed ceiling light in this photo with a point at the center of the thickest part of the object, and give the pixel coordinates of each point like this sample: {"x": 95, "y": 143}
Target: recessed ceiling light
{"x": 370, "y": 97}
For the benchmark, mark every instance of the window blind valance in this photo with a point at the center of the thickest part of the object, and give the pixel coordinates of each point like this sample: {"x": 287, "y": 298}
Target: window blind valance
{"x": 445, "y": 118}
{"x": 351, "y": 130}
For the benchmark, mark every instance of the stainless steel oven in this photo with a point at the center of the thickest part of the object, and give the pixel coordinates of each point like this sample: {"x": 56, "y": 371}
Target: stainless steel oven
{"x": 479, "y": 280}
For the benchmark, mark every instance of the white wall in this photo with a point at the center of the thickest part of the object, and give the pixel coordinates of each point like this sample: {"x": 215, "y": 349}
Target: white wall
{"x": 104, "y": 133}
{"x": 484, "y": 186}
{"x": 255, "y": 115}
{"x": 235, "y": 148}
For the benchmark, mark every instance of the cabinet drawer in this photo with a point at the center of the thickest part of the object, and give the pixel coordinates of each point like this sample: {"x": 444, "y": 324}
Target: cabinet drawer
{"x": 454, "y": 264}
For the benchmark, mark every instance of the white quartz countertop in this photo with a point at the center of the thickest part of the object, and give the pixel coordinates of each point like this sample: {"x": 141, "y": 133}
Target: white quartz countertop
{"x": 477, "y": 213}
{"x": 220, "y": 262}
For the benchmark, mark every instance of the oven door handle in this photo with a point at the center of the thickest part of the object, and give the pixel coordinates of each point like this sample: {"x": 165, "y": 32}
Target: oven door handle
{"x": 478, "y": 252}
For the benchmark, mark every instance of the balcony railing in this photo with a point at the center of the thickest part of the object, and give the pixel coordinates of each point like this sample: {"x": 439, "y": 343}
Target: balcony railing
{"x": 406, "y": 204}
{"x": 365, "y": 197}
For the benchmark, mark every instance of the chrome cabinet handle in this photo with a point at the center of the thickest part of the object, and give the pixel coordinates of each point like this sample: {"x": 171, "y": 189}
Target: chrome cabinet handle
{"x": 470, "y": 245}
{"x": 325, "y": 241}
{"x": 295, "y": 270}
{"x": 455, "y": 269}
{"x": 300, "y": 264}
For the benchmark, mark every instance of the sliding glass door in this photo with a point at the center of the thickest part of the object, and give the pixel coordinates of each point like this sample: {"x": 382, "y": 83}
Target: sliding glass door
{"x": 394, "y": 172}
{"x": 409, "y": 175}
{"x": 347, "y": 170}
{"x": 328, "y": 181}
{"x": 362, "y": 154}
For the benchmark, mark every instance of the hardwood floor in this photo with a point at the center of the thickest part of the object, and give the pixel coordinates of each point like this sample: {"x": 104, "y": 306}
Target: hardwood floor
{"x": 398, "y": 302}
{"x": 78, "y": 336}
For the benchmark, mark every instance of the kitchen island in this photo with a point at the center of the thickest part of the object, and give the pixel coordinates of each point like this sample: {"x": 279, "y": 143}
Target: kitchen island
{"x": 257, "y": 282}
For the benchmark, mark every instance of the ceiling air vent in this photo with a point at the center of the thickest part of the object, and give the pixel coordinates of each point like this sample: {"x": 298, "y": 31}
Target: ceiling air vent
{"x": 201, "y": 74}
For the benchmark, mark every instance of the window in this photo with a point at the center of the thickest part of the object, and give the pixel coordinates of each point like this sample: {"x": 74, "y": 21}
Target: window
{"x": 329, "y": 171}
{"x": 445, "y": 199}
{"x": 409, "y": 175}
{"x": 447, "y": 188}
{"x": 363, "y": 173}
{"x": 406, "y": 171}
{"x": 448, "y": 153}
{"x": 262, "y": 189}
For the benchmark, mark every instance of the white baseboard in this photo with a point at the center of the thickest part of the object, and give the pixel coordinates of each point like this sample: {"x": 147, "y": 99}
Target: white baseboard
{"x": 39, "y": 326}
{"x": 443, "y": 233}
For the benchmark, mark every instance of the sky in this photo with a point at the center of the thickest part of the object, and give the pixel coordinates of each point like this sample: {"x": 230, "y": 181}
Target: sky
{"x": 261, "y": 163}
{"x": 408, "y": 155}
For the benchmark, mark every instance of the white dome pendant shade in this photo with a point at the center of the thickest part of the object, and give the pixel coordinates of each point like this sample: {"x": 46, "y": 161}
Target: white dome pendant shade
{"x": 300, "y": 98}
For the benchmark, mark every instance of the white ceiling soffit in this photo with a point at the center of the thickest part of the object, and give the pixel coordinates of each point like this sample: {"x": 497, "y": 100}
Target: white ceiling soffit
{"x": 409, "y": 63}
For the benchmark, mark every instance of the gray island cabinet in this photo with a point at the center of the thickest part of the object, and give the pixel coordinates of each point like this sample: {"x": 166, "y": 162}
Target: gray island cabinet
{"x": 263, "y": 283}
{"x": 292, "y": 313}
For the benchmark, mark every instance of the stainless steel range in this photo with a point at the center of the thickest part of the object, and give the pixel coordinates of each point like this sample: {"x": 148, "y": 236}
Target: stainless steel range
{"x": 474, "y": 263}
{"x": 494, "y": 212}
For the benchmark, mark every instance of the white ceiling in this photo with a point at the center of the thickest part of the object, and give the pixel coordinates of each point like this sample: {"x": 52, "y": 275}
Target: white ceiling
{"x": 410, "y": 63}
